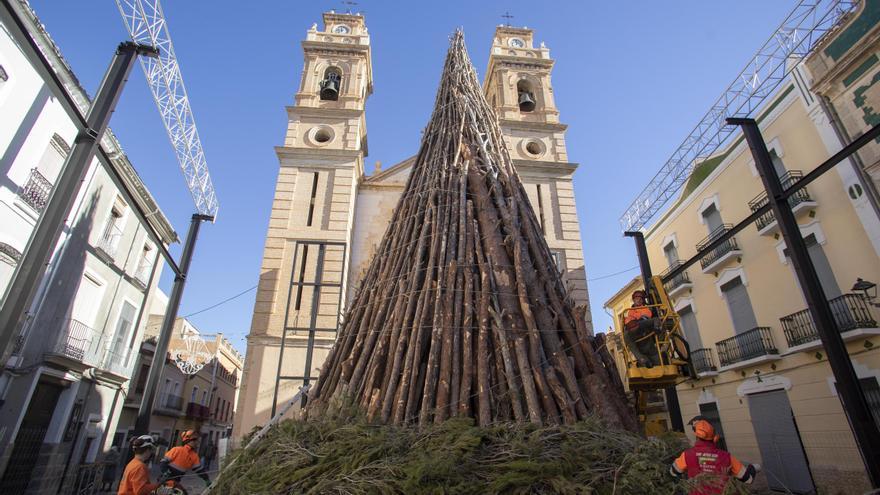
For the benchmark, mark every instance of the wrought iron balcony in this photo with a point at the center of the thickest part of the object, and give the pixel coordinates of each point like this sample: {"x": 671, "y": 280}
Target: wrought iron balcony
{"x": 80, "y": 343}
{"x": 109, "y": 242}
{"x": 721, "y": 252}
{"x": 748, "y": 345}
{"x": 195, "y": 410}
{"x": 850, "y": 311}
{"x": 677, "y": 283}
{"x": 703, "y": 362}
{"x": 36, "y": 190}
{"x": 142, "y": 274}
{"x": 116, "y": 362}
{"x": 800, "y": 198}
{"x": 171, "y": 401}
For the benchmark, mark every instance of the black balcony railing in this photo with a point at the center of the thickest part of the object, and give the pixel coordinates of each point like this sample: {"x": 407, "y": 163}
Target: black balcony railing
{"x": 754, "y": 343}
{"x": 36, "y": 190}
{"x": 788, "y": 179}
{"x": 194, "y": 410}
{"x": 171, "y": 401}
{"x": 677, "y": 281}
{"x": 702, "y": 359}
{"x": 720, "y": 250}
{"x": 80, "y": 343}
{"x": 850, "y": 311}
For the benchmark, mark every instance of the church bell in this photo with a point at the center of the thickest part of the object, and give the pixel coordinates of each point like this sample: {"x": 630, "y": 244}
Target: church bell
{"x": 330, "y": 87}
{"x": 526, "y": 101}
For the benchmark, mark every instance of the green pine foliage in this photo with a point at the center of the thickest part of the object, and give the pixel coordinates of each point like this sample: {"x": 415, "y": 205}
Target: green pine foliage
{"x": 344, "y": 455}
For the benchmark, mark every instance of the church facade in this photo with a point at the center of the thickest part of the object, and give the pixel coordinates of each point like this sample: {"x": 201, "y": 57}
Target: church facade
{"x": 328, "y": 217}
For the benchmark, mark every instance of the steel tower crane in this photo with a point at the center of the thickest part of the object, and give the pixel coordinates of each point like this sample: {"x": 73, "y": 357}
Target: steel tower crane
{"x": 146, "y": 24}
{"x": 765, "y": 71}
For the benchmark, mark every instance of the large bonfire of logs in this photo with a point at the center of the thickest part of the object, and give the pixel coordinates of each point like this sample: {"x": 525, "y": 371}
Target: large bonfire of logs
{"x": 462, "y": 311}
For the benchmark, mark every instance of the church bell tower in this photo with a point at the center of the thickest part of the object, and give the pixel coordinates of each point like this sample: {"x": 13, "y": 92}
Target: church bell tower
{"x": 518, "y": 87}
{"x": 303, "y": 277}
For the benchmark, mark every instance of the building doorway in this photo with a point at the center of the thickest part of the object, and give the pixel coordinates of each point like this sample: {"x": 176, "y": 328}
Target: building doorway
{"x": 29, "y": 440}
{"x": 782, "y": 452}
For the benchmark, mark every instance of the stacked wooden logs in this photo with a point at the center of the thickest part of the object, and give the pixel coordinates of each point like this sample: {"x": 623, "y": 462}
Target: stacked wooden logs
{"x": 462, "y": 311}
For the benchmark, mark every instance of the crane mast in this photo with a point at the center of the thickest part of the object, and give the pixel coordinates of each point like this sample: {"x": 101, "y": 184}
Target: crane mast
{"x": 765, "y": 71}
{"x": 146, "y": 24}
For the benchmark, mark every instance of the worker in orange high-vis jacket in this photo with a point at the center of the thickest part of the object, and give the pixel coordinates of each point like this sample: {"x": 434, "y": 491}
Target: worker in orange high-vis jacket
{"x": 183, "y": 458}
{"x": 639, "y": 323}
{"x": 136, "y": 478}
{"x": 710, "y": 466}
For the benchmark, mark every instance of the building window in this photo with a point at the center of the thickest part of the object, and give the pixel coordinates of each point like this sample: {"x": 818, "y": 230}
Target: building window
{"x": 142, "y": 380}
{"x": 712, "y": 218}
{"x": 739, "y": 305}
{"x": 204, "y": 397}
{"x": 822, "y": 266}
{"x": 671, "y": 253}
{"x": 145, "y": 266}
{"x": 118, "y": 353}
{"x": 331, "y": 84}
{"x": 690, "y": 328}
{"x": 195, "y": 392}
{"x": 109, "y": 242}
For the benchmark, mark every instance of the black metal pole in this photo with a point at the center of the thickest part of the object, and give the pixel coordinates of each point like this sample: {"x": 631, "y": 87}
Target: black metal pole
{"x": 36, "y": 257}
{"x": 142, "y": 425}
{"x": 855, "y": 406}
{"x": 671, "y": 394}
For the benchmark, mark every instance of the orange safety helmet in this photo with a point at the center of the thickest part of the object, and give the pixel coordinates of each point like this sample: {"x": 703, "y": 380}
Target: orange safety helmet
{"x": 640, "y": 293}
{"x": 704, "y": 430}
{"x": 189, "y": 436}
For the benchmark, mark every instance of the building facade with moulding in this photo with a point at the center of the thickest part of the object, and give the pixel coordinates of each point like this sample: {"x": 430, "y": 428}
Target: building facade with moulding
{"x": 764, "y": 377}
{"x": 329, "y": 215}
{"x": 63, "y": 388}
{"x": 204, "y": 401}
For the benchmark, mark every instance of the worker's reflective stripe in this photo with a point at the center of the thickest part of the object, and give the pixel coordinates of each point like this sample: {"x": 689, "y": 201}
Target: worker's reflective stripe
{"x": 177, "y": 467}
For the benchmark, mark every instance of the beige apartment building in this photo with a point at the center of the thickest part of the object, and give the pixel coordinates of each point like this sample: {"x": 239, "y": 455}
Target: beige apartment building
{"x": 329, "y": 215}
{"x": 203, "y": 401}
{"x": 764, "y": 377}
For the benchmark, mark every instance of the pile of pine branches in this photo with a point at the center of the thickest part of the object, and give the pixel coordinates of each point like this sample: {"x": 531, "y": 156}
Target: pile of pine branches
{"x": 337, "y": 454}
{"x": 462, "y": 311}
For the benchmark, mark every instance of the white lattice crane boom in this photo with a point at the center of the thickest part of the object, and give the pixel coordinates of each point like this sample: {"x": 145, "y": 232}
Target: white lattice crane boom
{"x": 767, "y": 69}
{"x": 146, "y": 24}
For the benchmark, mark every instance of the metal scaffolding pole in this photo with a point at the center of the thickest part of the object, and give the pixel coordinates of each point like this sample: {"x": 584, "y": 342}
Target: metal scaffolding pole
{"x": 45, "y": 237}
{"x": 671, "y": 394}
{"x": 855, "y": 406}
{"x": 142, "y": 425}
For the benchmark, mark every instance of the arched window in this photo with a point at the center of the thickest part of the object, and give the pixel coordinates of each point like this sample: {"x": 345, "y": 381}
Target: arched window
{"x": 331, "y": 84}
{"x": 525, "y": 96}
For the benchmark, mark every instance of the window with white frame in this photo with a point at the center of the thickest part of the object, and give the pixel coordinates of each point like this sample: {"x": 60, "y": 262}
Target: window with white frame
{"x": 124, "y": 326}
{"x": 112, "y": 234}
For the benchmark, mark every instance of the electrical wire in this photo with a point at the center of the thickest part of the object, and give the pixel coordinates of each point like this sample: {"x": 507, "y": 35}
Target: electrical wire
{"x": 228, "y": 299}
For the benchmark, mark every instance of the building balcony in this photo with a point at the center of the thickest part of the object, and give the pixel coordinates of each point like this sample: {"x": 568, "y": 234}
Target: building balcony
{"x": 799, "y": 202}
{"x": 722, "y": 253}
{"x": 851, "y": 316}
{"x": 704, "y": 363}
{"x": 35, "y": 192}
{"x": 679, "y": 284}
{"x": 116, "y": 363}
{"x": 171, "y": 402}
{"x": 142, "y": 274}
{"x": 108, "y": 244}
{"x": 747, "y": 349}
{"x": 78, "y": 346}
{"x": 197, "y": 411}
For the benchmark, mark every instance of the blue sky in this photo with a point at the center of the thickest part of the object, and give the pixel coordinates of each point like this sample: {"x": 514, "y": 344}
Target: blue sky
{"x": 631, "y": 81}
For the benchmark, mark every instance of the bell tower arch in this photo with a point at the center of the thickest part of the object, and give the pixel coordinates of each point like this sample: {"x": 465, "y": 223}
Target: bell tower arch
{"x": 518, "y": 86}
